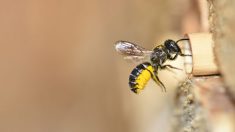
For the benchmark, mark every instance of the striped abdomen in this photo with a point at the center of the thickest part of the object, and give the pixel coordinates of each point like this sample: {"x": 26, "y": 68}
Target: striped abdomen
{"x": 140, "y": 76}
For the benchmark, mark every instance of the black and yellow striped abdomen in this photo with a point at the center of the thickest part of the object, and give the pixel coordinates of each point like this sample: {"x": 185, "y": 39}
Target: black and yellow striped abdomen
{"x": 140, "y": 76}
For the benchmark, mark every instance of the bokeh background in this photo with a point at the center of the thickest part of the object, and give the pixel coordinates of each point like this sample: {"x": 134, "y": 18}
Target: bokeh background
{"x": 59, "y": 71}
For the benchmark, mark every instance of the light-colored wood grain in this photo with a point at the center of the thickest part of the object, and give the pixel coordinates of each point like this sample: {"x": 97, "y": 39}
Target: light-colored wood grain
{"x": 204, "y": 61}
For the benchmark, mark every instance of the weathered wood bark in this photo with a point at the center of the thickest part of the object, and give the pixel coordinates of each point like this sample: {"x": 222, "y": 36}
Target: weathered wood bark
{"x": 222, "y": 19}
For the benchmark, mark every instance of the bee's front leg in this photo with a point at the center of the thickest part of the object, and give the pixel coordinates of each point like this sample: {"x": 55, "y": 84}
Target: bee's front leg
{"x": 169, "y": 66}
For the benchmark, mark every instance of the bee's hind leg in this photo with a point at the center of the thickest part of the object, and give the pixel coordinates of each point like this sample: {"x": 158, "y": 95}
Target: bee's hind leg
{"x": 158, "y": 81}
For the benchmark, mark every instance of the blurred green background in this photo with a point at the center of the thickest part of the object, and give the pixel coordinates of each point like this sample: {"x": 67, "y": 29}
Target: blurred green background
{"x": 60, "y": 72}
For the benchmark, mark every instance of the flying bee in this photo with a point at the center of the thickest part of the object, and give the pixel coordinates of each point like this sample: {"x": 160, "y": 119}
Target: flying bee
{"x": 142, "y": 73}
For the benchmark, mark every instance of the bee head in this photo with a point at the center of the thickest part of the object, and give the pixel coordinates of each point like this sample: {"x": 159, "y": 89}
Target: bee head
{"x": 171, "y": 46}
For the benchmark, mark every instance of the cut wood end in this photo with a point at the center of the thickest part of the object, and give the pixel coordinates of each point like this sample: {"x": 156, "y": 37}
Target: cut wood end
{"x": 203, "y": 57}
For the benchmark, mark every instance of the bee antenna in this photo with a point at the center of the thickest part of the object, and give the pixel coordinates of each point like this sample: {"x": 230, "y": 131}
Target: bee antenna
{"x": 181, "y": 40}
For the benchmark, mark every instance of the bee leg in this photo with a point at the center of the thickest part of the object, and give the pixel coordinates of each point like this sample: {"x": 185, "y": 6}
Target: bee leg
{"x": 157, "y": 80}
{"x": 173, "y": 58}
{"x": 169, "y": 66}
{"x": 181, "y": 54}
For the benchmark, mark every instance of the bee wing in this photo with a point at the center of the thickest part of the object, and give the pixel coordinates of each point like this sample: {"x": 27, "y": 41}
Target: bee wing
{"x": 137, "y": 59}
{"x": 130, "y": 49}
{"x": 132, "y": 52}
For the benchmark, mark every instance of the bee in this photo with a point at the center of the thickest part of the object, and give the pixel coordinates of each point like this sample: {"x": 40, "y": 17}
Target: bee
{"x": 143, "y": 72}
